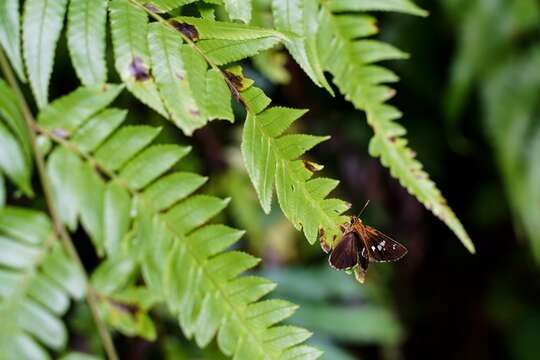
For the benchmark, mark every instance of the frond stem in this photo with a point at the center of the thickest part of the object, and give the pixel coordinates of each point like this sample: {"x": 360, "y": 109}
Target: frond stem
{"x": 58, "y": 227}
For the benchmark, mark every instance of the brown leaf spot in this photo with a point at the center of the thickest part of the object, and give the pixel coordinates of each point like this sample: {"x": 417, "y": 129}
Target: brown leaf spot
{"x": 235, "y": 80}
{"x": 128, "y": 308}
{"x": 179, "y": 76}
{"x": 311, "y": 166}
{"x": 194, "y": 112}
{"x": 324, "y": 245}
{"x": 152, "y": 8}
{"x": 138, "y": 69}
{"x": 188, "y": 30}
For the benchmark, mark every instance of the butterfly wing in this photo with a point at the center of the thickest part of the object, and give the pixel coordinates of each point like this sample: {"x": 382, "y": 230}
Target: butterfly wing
{"x": 379, "y": 247}
{"x": 345, "y": 255}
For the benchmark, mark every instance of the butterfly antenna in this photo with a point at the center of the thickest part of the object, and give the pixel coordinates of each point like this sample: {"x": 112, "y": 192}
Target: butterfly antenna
{"x": 364, "y": 208}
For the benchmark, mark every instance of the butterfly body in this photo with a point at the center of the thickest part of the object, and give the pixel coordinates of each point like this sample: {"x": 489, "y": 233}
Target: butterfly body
{"x": 362, "y": 244}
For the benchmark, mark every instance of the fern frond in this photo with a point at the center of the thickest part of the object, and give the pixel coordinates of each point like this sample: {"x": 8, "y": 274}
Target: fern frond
{"x": 15, "y": 153}
{"x": 86, "y": 39}
{"x": 37, "y": 281}
{"x": 127, "y": 205}
{"x": 362, "y": 83}
{"x": 300, "y": 17}
{"x": 42, "y": 23}
{"x": 272, "y": 158}
{"x": 10, "y": 35}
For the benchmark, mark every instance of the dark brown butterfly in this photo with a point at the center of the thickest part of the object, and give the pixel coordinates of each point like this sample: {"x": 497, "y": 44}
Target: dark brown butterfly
{"x": 362, "y": 244}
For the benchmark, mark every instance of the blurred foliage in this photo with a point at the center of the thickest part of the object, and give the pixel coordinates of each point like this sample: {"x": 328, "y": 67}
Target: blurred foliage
{"x": 498, "y": 54}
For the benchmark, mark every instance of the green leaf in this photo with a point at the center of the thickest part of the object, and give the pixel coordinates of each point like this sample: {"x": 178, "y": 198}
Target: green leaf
{"x": 25, "y": 225}
{"x": 124, "y": 144}
{"x": 65, "y": 173}
{"x": 98, "y": 128}
{"x": 116, "y": 216}
{"x": 300, "y": 18}
{"x": 13, "y": 162}
{"x": 239, "y": 10}
{"x": 172, "y": 78}
{"x": 129, "y": 28}
{"x": 33, "y": 295}
{"x": 91, "y": 206}
{"x": 11, "y": 114}
{"x": 217, "y": 100}
{"x": 362, "y": 83}
{"x": 172, "y": 188}
{"x": 10, "y": 34}
{"x": 150, "y": 164}
{"x": 113, "y": 274}
{"x": 405, "y": 6}
{"x": 222, "y": 52}
{"x": 127, "y": 311}
{"x": 86, "y": 39}
{"x": 42, "y": 24}
{"x": 271, "y": 157}
{"x": 69, "y": 112}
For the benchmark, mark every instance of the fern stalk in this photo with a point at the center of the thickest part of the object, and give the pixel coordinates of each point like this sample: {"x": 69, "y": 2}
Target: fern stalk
{"x": 59, "y": 229}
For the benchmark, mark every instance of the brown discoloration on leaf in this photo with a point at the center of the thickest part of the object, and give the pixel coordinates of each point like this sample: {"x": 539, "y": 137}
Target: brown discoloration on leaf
{"x": 188, "y": 30}
{"x": 127, "y": 308}
{"x": 152, "y": 8}
{"x": 194, "y": 112}
{"x": 61, "y": 133}
{"x": 139, "y": 70}
{"x": 234, "y": 79}
{"x": 312, "y": 166}
{"x": 179, "y": 76}
{"x": 360, "y": 275}
{"x": 324, "y": 245}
